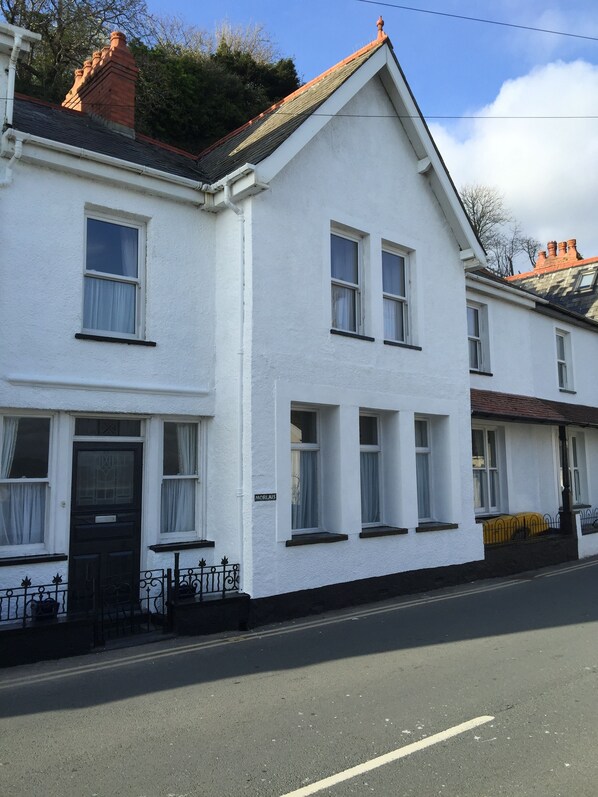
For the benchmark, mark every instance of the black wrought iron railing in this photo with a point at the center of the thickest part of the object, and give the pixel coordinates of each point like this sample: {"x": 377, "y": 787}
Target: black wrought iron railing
{"x": 119, "y": 605}
{"x": 205, "y": 580}
{"x": 519, "y": 527}
{"x": 30, "y": 602}
{"x": 589, "y": 520}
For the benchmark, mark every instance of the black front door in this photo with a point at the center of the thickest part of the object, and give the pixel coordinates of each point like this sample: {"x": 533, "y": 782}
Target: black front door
{"x": 105, "y": 517}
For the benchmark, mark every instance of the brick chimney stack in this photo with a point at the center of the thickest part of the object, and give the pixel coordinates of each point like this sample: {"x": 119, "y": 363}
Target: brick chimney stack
{"x": 105, "y": 86}
{"x": 567, "y": 255}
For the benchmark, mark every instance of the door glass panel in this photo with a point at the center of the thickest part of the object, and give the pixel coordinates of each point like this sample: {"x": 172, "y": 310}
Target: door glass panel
{"x": 105, "y": 478}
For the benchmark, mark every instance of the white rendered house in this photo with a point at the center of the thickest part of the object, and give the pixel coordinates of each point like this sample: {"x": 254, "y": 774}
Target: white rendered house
{"x": 534, "y": 406}
{"x": 252, "y": 353}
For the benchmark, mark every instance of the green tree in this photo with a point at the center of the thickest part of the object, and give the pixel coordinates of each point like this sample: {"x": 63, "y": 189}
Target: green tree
{"x": 190, "y": 99}
{"x": 193, "y": 87}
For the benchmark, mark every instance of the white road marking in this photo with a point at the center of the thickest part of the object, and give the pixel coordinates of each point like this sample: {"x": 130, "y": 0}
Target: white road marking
{"x": 82, "y": 669}
{"x": 388, "y": 758}
{"x": 422, "y": 600}
{"x": 569, "y": 569}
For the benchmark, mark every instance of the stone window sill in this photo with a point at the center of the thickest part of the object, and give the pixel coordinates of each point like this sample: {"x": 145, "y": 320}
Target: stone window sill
{"x": 32, "y": 559}
{"x": 436, "y": 526}
{"x": 315, "y": 538}
{"x": 381, "y": 531}
{"x": 343, "y": 333}
{"x": 114, "y": 339}
{"x": 402, "y": 345}
{"x": 186, "y": 545}
{"x": 480, "y": 373}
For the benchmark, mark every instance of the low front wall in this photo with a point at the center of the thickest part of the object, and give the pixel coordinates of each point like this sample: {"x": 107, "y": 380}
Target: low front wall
{"x": 237, "y": 611}
{"x": 211, "y": 615}
{"x": 47, "y": 639}
{"x": 500, "y": 560}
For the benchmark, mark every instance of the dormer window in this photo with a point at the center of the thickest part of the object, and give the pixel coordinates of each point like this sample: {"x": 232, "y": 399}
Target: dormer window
{"x": 586, "y": 280}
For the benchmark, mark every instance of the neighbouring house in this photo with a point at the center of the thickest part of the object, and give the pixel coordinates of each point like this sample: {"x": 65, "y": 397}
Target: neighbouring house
{"x": 563, "y": 276}
{"x": 259, "y": 352}
{"x": 534, "y": 372}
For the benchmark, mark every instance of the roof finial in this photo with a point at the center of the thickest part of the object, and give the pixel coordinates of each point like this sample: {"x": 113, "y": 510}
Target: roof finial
{"x": 380, "y": 24}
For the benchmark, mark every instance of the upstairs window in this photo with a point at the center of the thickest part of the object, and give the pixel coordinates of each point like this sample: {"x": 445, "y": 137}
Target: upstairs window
{"x": 477, "y": 337}
{"x": 24, "y": 453}
{"x": 563, "y": 360}
{"x": 586, "y": 280}
{"x": 345, "y": 270}
{"x": 112, "y": 282}
{"x": 395, "y": 287}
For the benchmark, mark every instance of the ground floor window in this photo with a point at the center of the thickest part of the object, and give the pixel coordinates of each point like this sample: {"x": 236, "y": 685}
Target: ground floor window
{"x": 305, "y": 452}
{"x": 24, "y": 453}
{"x": 485, "y": 470}
{"x": 423, "y": 467}
{"x": 369, "y": 455}
{"x": 180, "y": 478}
{"x": 577, "y": 467}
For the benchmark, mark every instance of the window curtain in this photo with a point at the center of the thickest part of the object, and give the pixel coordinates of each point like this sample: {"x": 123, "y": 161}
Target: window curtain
{"x": 109, "y": 305}
{"x": 128, "y": 250}
{"x": 178, "y": 495}
{"x": 304, "y": 506}
{"x": 370, "y": 487}
{"x": 22, "y": 506}
{"x": 178, "y": 505}
{"x": 393, "y": 320}
{"x": 343, "y": 308}
{"x": 423, "y": 485}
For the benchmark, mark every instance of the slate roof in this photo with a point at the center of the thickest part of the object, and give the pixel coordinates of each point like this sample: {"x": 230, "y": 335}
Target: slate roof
{"x": 512, "y": 407}
{"x": 80, "y": 130}
{"x": 558, "y": 286}
{"x": 259, "y": 138}
{"x": 251, "y": 143}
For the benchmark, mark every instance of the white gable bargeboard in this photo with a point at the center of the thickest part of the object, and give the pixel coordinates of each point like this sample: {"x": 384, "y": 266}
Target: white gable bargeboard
{"x": 359, "y": 177}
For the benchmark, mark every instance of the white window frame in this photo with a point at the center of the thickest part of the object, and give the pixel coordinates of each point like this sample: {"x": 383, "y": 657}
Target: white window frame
{"x": 355, "y": 287}
{"x": 300, "y": 446}
{"x": 577, "y": 467}
{"x": 563, "y": 363}
{"x": 404, "y": 301}
{"x": 374, "y": 449}
{"x": 488, "y": 471}
{"x": 426, "y": 451}
{"x": 480, "y": 341}
{"x": 583, "y": 284}
{"x": 138, "y": 282}
{"x": 23, "y": 549}
{"x": 198, "y": 532}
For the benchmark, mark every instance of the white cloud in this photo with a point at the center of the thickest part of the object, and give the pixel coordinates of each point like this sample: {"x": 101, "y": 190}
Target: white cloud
{"x": 545, "y": 167}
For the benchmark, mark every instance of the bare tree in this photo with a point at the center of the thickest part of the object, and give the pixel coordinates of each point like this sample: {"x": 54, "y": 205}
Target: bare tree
{"x": 500, "y": 234}
{"x": 251, "y": 39}
{"x": 71, "y": 30}
{"x": 175, "y": 35}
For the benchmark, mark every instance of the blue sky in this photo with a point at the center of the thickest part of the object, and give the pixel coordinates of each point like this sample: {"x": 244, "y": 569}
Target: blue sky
{"x": 452, "y": 65}
{"x": 460, "y": 68}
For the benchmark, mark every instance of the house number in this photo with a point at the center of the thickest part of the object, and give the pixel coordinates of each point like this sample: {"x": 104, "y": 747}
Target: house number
{"x": 264, "y": 497}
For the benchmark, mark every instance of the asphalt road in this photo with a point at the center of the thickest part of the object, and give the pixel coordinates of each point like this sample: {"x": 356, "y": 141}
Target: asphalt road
{"x": 282, "y": 710}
